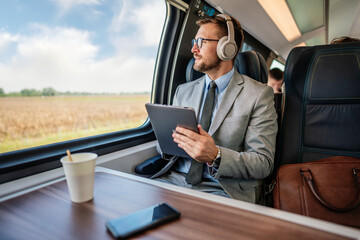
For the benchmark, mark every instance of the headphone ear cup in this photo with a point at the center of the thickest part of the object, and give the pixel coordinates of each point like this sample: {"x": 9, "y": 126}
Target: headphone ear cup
{"x": 226, "y": 50}
{"x": 220, "y": 48}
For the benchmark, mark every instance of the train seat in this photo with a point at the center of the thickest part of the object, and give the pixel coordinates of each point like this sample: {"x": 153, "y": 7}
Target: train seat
{"x": 322, "y": 104}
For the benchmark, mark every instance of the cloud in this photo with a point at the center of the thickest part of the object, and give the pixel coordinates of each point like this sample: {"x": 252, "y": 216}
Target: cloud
{"x": 119, "y": 20}
{"x": 66, "y": 5}
{"x": 57, "y": 44}
{"x": 145, "y": 22}
{"x": 149, "y": 22}
{"x": 65, "y": 59}
{"x": 6, "y": 39}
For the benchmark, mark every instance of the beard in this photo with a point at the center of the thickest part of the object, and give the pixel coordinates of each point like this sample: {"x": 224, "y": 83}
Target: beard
{"x": 207, "y": 66}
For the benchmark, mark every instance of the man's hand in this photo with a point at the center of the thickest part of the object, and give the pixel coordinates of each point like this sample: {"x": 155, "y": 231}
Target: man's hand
{"x": 200, "y": 147}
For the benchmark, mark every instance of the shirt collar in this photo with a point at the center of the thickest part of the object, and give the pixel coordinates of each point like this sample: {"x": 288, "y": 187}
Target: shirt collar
{"x": 222, "y": 81}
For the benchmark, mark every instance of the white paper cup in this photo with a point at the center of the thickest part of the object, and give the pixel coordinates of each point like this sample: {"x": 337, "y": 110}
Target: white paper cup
{"x": 79, "y": 175}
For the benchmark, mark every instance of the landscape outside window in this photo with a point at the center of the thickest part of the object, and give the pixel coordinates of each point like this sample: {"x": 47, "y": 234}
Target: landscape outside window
{"x": 75, "y": 68}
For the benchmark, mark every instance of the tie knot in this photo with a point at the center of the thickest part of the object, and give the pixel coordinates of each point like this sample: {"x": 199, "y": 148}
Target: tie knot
{"x": 213, "y": 84}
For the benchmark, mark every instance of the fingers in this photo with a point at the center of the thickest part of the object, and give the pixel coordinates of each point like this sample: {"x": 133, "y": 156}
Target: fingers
{"x": 186, "y": 139}
{"x": 183, "y": 131}
{"x": 185, "y": 143}
{"x": 200, "y": 146}
{"x": 191, "y": 134}
{"x": 179, "y": 137}
{"x": 185, "y": 136}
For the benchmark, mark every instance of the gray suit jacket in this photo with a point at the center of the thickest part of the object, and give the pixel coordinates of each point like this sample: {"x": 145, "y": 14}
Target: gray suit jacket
{"x": 244, "y": 128}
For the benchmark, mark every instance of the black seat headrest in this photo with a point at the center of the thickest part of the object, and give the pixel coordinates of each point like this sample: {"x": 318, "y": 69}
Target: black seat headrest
{"x": 252, "y": 64}
{"x": 249, "y": 63}
{"x": 325, "y": 73}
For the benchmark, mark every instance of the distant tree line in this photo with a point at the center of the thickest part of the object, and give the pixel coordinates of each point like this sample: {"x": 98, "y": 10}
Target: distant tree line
{"x": 51, "y": 92}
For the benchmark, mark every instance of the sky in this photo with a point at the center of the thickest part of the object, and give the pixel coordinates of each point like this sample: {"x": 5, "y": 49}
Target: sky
{"x": 79, "y": 45}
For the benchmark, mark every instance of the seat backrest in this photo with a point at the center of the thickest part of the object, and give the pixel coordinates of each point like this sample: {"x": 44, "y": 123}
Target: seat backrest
{"x": 322, "y": 104}
{"x": 249, "y": 63}
{"x": 252, "y": 64}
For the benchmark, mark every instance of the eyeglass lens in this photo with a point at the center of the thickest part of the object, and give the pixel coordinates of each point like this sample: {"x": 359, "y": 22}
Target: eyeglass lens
{"x": 198, "y": 42}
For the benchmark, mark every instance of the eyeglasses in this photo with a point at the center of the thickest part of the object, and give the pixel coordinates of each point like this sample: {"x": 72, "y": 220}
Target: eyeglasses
{"x": 199, "y": 41}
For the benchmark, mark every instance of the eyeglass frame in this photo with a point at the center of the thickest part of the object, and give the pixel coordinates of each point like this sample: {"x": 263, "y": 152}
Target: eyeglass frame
{"x": 193, "y": 41}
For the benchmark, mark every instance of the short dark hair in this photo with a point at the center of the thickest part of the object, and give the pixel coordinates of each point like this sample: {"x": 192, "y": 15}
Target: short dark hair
{"x": 344, "y": 39}
{"x": 276, "y": 74}
{"x": 222, "y": 26}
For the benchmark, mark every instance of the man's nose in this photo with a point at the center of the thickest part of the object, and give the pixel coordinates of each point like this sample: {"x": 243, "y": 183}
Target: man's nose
{"x": 194, "y": 49}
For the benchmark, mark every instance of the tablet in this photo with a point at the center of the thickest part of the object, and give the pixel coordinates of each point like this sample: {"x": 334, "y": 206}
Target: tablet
{"x": 164, "y": 120}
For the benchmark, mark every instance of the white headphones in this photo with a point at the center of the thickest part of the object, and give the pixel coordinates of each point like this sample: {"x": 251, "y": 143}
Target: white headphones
{"x": 227, "y": 48}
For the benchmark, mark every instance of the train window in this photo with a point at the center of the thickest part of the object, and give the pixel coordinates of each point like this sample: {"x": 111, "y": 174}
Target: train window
{"x": 277, "y": 64}
{"x": 246, "y": 47}
{"x": 72, "y": 69}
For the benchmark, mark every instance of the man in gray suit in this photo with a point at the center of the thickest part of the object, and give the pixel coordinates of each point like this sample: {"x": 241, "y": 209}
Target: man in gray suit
{"x": 237, "y": 151}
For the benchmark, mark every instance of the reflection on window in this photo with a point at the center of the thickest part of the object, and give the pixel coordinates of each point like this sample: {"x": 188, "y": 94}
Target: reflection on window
{"x": 72, "y": 69}
{"x": 246, "y": 47}
{"x": 277, "y": 64}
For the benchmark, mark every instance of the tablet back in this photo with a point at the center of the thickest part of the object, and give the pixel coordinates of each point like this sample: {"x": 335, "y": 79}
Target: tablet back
{"x": 164, "y": 119}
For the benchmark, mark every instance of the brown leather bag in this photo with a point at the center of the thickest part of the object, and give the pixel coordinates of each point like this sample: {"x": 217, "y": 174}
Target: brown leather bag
{"x": 327, "y": 189}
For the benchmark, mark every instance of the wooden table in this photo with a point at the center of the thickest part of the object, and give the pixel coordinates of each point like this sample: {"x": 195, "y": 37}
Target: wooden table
{"x": 48, "y": 213}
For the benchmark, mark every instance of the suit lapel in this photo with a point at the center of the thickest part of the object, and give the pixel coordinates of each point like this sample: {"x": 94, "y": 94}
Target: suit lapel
{"x": 232, "y": 91}
{"x": 197, "y": 95}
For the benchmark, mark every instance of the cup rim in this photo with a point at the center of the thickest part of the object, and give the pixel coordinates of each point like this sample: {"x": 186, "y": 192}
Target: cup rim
{"x": 94, "y": 157}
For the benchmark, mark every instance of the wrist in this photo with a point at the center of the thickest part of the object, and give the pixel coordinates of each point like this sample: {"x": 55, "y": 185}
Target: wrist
{"x": 216, "y": 161}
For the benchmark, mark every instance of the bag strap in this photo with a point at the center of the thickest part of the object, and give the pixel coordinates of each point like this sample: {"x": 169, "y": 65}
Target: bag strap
{"x": 307, "y": 176}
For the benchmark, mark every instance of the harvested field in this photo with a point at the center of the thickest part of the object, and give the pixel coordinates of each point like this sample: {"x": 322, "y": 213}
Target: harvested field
{"x": 33, "y": 121}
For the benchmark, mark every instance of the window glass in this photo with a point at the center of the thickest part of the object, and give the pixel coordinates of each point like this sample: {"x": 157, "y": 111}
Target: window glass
{"x": 277, "y": 64}
{"x": 75, "y": 68}
{"x": 246, "y": 47}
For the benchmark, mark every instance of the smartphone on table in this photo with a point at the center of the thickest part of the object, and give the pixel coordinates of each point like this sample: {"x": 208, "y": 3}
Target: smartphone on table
{"x": 142, "y": 220}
